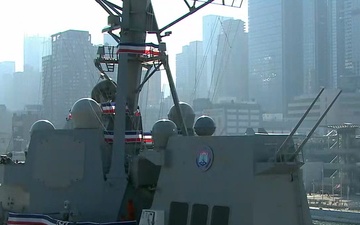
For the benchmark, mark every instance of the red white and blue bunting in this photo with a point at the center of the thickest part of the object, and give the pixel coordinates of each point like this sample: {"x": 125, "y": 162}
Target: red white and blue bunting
{"x": 108, "y": 107}
{"x": 149, "y": 49}
{"x": 131, "y": 137}
{"x": 41, "y": 219}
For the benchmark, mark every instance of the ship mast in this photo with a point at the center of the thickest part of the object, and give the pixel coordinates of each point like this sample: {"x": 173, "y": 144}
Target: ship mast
{"x": 136, "y": 19}
{"x": 133, "y": 22}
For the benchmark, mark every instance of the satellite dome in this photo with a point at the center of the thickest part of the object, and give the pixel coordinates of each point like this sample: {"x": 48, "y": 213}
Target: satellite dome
{"x": 161, "y": 131}
{"x": 204, "y": 126}
{"x": 86, "y": 113}
{"x": 41, "y": 125}
{"x": 186, "y": 111}
{"x": 104, "y": 91}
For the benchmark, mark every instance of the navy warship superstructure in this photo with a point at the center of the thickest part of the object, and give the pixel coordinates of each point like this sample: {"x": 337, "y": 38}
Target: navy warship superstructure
{"x": 107, "y": 169}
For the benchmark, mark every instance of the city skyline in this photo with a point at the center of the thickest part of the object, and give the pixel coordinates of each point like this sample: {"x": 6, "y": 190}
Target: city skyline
{"x": 276, "y": 54}
{"x": 49, "y": 18}
{"x": 295, "y": 47}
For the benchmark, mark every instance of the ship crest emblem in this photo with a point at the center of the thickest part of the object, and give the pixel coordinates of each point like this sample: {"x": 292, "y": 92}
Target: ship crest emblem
{"x": 204, "y": 158}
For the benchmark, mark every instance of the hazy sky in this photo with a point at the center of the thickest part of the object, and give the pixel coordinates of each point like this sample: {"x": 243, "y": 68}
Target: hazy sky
{"x": 45, "y": 17}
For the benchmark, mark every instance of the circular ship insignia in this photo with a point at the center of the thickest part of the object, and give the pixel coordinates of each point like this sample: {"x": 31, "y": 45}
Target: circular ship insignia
{"x": 204, "y": 158}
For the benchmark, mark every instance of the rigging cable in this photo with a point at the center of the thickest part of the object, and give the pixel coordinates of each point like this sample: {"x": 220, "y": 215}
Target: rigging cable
{"x": 213, "y": 65}
{"x": 220, "y": 76}
{"x": 205, "y": 58}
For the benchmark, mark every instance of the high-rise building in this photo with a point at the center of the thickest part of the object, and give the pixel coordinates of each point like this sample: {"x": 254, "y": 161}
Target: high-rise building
{"x": 25, "y": 89}
{"x": 275, "y": 53}
{"x": 151, "y": 91}
{"x": 18, "y": 89}
{"x": 5, "y": 119}
{"x": 34, "y": 50}
{"x": 109, "y": 40}
{"x": 230, "y": 77}
{"x": 331, "y": 56}
{"x": 212, "y": 26}
{"x": 317, "y": 48}
{"x": 352, "y": 36}
{"x": 234, "y": 118}
{"x": 5, "y": 128}
{"x": 190, "y": 73}
{"x": 346, "y": 19}
{"x": 68, "y": 73}
{"x": 150, "y": 100}
{"x": 22, "y": 121}
{"x": 7, "y": 69}
{"x": 331, "y": 45}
